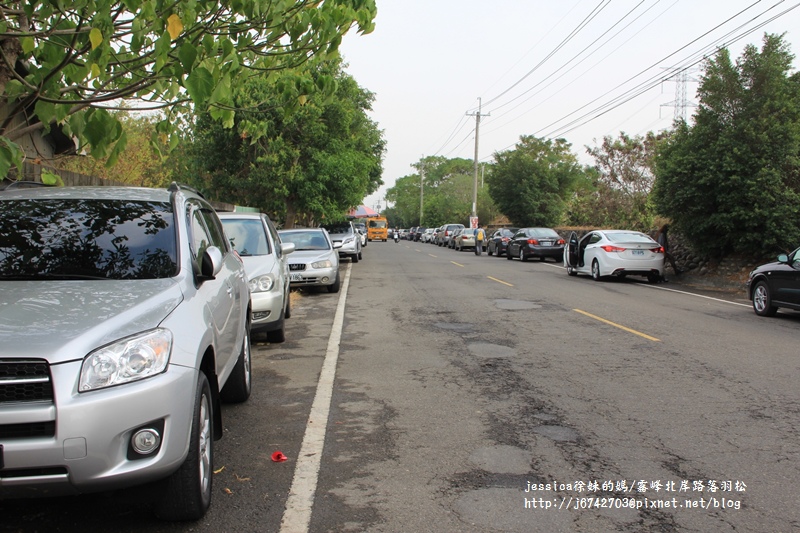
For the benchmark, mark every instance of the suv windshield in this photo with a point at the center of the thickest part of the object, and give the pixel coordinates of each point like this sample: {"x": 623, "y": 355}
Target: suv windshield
{"x": 87, "y": 239}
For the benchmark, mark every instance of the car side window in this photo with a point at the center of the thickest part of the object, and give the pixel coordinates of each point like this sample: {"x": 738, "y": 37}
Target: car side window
{"x": 274, "y": 237}
{"x": 200, "y": 237}
{"x": 215, "y": 230}
{"x": 595, "y": 238}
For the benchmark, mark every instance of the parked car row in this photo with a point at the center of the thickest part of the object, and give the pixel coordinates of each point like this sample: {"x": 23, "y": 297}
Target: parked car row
{"x": 599, "y": 253}
{"x": 138, "y": 306}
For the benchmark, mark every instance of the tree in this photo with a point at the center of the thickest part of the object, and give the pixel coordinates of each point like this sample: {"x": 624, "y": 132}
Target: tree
{"x": 447, "y": 195}
{"x": 66, "y": 61}
{"x": 621, "y": 183}
{"x": 141, "y": 166}
{"x": 531, "y": 183}
{"x": 731, "y": 182}
{"x": 311, "y": 165}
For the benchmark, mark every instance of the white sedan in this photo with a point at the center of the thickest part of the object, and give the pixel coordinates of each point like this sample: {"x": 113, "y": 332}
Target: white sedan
{"x": 619, "y": 253}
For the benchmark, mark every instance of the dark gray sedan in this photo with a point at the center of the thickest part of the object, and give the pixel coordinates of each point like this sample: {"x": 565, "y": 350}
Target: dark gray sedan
{"x": 536, "y": 242}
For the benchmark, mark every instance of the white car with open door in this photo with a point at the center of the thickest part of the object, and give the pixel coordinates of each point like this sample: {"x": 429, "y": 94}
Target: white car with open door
{"x": 619, "y": 253}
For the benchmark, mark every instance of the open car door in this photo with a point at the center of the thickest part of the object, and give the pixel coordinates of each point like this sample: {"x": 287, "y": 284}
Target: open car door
{"x": 571, "y": 254}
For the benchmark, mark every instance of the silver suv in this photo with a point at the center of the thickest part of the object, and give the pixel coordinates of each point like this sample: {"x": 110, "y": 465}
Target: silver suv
{"x": 123, "y": 323}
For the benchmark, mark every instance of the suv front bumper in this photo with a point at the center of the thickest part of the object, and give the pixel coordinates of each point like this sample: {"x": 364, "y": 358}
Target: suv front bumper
{"x": 90, "y": 449}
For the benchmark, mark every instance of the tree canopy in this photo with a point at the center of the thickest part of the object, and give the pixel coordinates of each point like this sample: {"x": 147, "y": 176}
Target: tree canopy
{"x": 447, "y": 194}
{"x": 313, "y": 164}
{"x": 731, "y": 182}
{"x": 68, "y": 61}
{"x": 619, "y": 184}
{"x": 532, "y": 183}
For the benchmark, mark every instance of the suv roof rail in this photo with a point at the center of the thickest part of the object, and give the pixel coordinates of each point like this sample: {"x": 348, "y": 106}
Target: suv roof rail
{"x": 175, "y": 187}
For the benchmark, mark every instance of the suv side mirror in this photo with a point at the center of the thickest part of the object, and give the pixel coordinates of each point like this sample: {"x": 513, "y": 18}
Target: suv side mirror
{"x": 210, "y": 263}
{"x": 288, "y": 247}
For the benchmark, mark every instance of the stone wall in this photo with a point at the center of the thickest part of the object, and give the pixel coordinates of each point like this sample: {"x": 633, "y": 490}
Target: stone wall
{"x": 728, "y": 272}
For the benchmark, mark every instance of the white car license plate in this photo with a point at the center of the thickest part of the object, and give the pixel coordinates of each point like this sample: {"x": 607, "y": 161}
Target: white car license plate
{"x": 296, "y": 277}
{"x": 638, "y": 252}
{"x": 547, "y": 243}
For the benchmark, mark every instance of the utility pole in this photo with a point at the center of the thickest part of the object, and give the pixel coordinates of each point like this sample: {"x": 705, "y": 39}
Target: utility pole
{"x": 421, "y": 181}
{"x": 475, "y": 163}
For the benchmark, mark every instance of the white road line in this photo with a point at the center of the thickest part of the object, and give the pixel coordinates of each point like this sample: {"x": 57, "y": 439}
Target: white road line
{"x": 695, "y": 294}
{"x": 297, "y": 516}
{"x": 661, "y": 288}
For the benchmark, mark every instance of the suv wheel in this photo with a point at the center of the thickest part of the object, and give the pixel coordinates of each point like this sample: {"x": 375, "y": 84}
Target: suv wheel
{"x": 240, "y": 383}
{"x": 354, "y": 258}
{"x": 188, "y": 490}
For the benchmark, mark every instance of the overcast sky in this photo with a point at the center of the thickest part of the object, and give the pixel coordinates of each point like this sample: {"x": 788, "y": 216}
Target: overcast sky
{"x": 541, "y": 67}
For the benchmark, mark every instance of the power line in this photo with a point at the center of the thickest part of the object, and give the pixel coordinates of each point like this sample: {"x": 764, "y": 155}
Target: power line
{"x": 649, "y": 84}
{"x": 573, "y": 58}
{"x": 581, "y": 61}
{"x": 596, "y": 11}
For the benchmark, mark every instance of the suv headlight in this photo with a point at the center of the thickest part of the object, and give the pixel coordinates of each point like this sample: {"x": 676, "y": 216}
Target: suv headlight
{"x": 348, "y": 240}
{"x": 130, "y": 359}
{"x": 322, "y": 264}
{"x": 262, "y": 283}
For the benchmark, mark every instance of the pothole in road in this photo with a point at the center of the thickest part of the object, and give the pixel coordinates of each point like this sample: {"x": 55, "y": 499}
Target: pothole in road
{"x": 502, "y": 459}
{"x": 516, "y": 305}
{"x": 557, "y": 433}
{"x": 502, "y": 509}
{"x": 487, "y": 349}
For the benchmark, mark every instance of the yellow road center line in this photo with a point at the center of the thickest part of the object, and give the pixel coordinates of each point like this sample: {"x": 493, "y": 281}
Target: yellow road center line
{"x": 629, "y": 330}
{"x": 499, "y": 281}
{"x": 457, "y": 264}
{"x": 436, "y": 256}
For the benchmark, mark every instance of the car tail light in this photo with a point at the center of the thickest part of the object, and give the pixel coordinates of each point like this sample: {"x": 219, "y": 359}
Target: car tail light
{"x": 609, "y": 248}
{"x": 533, "y": 241}
{"x": 657, "y": 250}
{"x": 561, "y": 241}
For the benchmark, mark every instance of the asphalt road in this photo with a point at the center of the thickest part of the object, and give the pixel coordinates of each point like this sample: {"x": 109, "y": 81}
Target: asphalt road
{"x": 480, "y": 394}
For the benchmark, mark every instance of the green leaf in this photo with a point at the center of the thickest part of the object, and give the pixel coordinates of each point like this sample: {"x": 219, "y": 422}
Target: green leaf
{"x": 45, "y": 111}
{"x": 10, "y": 154}
{"x": 187, "y": 54}
{"x": 102, "y": 129}
{"x": 28, "y": 45}
{"x": 118, "y": 149}
{"x": 200, "y": 85}
{"x": 49, "y": 178}
{"x": 14, "y": 89}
